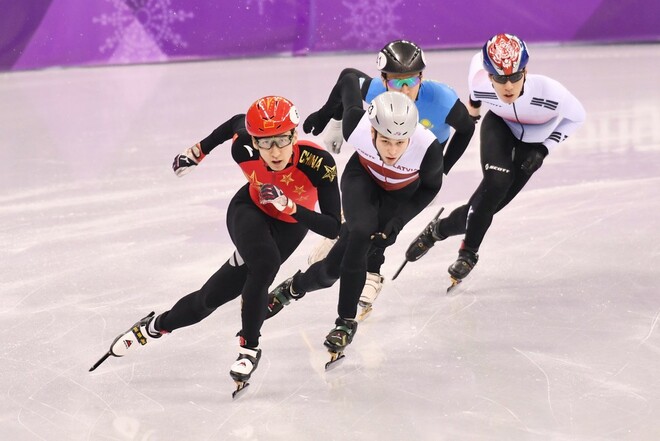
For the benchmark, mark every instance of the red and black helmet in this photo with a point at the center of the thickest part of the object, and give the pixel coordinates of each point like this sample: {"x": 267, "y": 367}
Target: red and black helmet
{"x": 271, "y": 115}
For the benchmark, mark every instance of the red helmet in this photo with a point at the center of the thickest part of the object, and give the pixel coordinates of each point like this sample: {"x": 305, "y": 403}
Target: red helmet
{"x": 271, "y": 115}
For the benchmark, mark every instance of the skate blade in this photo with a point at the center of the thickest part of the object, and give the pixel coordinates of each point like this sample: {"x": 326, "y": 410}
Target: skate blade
{"x": 334, "y": 358}
{"x": 365, "y": 312}
{"x": 396, "y": 274}
{"x": 101, "y": 360}
{"x": 454, "y": 283}
{"x": 240, "y": 387}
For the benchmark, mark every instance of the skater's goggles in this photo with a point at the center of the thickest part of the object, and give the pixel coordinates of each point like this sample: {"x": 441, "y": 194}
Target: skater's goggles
{"x": 280, "y": 141}
{"x": 398, "y": 83}
{"x": 514, "y": 77}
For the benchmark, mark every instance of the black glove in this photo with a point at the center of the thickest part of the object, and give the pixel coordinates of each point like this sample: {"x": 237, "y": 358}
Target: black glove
{"x": 315, "y": 123}
{"x": 534, "y": 160}
{"x": 388, "y": 236}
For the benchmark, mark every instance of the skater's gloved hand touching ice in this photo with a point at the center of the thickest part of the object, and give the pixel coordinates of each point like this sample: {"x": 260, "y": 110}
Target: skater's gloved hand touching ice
{"x": 189, "y": 158}
{"x": 388, "y": 236}
{"x": 333, "y": 137}
{"x": 534, "y": 159}
{"x": 272, "y": 194}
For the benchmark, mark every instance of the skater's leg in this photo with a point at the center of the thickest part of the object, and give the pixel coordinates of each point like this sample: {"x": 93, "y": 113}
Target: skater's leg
{"x": 362, "y": 201}
{"x": 520, "y": 179}
{"x": 454, "y": 224}
{"x": 375, "y": 259}
{"x": 323, "y": 273}
{"x": 225, "y": 285}
{"x": 497, "y": 144}
{"x": 374, "y": 281}
{"x": 319, "y": 275}
{"x": 497, "y": 161}
{"x": 264, "y": 244}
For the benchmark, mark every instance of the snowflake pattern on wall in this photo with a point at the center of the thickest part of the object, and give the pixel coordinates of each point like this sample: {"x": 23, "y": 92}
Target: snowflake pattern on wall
{"x": 260, "y": 5}
{"x": 139, "y": 28}
{"x": 372, "y": 22}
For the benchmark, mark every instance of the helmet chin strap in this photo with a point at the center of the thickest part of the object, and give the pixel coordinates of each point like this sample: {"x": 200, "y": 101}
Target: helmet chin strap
{"x": 374, "y": 134}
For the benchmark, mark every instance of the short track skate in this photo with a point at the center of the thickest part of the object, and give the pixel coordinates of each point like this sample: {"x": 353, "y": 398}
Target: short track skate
{"x": 240, "y": 387}
{"x": 410, "y": 252}
{"x": 454, "y": 283}
{"x": 334, "y": 358}
{"x": 244, "y": 367}
{"x": 460, "y": 269}
{"x": 365, "y": 311}
{"x": 124, "y": 341}
{"x": 338, "y": 339}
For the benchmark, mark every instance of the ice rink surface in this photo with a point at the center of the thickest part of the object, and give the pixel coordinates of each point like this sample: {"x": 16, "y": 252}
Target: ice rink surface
{"x": 554, "y": 336}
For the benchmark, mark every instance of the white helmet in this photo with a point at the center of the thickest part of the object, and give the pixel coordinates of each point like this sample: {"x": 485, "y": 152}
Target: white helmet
{"x": 393, "y": 115}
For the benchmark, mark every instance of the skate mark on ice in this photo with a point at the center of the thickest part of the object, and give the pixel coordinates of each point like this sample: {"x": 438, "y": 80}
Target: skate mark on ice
{"x": 641, "y": 343}
{"x": 547, "y": 381}
{"x": 648, "y": 335}
{"x": 32, "y": 398}
{"x": 127, "y": 382}
{"x": 430, "y": 319}
{"x": 578, "y": 231}
{"x": 314, "y": 356}
{"x": 238, "y": 408}
{"x": 512, "y": 413}
{"x": 199, "y": 406}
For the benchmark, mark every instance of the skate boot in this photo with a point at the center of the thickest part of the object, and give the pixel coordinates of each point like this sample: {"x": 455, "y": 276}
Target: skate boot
{"x": 281, "y": 296}
{"x": 372, "y": 287}
{"x": 425, "y": 241}
{"x": 242, "y": 368}
{"x": 338, "y": 338}
{"x": 321, "y": 250}
{"x": 458, "y": 270}
{"x": 139, "y": 335}
{"x": 422, "y": 243}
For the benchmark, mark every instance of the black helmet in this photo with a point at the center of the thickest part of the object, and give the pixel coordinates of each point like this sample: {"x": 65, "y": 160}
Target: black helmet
{"x": 400, "y": 57}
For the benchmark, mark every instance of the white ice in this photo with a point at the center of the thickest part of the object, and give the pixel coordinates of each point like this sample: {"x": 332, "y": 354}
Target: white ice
{"x": 554, "y": 336}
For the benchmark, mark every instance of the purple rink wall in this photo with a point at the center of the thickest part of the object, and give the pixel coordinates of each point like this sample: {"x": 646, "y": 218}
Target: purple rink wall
{"x": 38, "y": 34}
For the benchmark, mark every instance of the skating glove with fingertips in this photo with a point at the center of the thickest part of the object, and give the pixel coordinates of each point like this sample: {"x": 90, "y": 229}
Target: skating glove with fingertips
{"x": 535, "y": 158}
{"x": 272, "y": 194}
{"x": 332, "y": 136}
{"x": 189, "y": 158}
{"x": 388, "y": 236}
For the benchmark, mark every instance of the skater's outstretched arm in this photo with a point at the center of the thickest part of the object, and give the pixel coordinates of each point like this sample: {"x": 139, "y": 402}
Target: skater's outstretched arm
{"x": 222, "y": 133}
{"x": 192, "y": 156}
{"x": 459, "y": 118}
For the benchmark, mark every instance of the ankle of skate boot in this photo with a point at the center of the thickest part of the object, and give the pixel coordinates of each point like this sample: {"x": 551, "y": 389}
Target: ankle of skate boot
{"x": 468, "y": 256}
{"x": 295, "y": 294}
{"x": 251, "y": 353}
{"x": 283, "y": 298}
{"x": 436, "y": 234}
{"x": 152, "y": 331}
